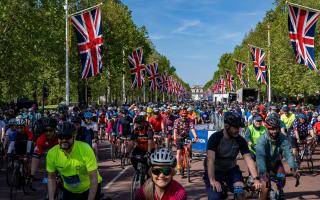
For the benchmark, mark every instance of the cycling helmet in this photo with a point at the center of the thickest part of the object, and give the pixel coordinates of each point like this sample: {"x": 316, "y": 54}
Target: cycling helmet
{"x": 276, "y": 115}
{"x": 143, "y": 114}
{"x": 88, "y": 115}
{"x": 318, "y": 118}
{"x": 233, "y": 119}
{"x": 163, "y": 157}
{"x": 302, "y": 116}
{"x": 12, "y": 122}
{"x": 109, "y": 108}
{"x": 272, "y": 122}
{"x": 124, "y": 111}
{"x": 139, "y": 119}
{"x": 136, "y": 109}
{"x": 65, "y": 129}
{"x": 20, "y": 121}
{"x": 156, "y": 110}
{"x": 315, "y": 114}
{"x": 49, "y": 122}
{"x": 285, "y": 109}
{"x": 75, "y": 119}
{"x": 190, "y": 109}
{"x": 174, "y": 108}
{"x": 149, "y": 110}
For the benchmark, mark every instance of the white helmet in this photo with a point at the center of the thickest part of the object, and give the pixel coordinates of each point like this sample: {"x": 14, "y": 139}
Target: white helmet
{"x": 163, "y": 157}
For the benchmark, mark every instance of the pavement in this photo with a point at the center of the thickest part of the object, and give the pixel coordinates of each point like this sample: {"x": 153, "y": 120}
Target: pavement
{"x": 117, "y": 181}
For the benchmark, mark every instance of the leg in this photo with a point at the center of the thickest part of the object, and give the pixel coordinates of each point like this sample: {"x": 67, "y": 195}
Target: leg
{"x": 212, "y": 194}
{"x": 236, "y": 183}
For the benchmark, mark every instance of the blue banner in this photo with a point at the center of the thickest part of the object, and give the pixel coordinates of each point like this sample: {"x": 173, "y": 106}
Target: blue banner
{"x": 203, "y": 136}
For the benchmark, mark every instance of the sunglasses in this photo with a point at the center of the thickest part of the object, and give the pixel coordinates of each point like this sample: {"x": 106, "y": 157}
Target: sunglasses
{"x": 64, "y": 137}
{"x": 49, "y": 130}
{"x": 166, "y": 171}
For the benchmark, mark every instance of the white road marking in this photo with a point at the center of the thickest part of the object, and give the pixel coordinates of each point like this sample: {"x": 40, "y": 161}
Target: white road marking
{"x": 115, "y": 178}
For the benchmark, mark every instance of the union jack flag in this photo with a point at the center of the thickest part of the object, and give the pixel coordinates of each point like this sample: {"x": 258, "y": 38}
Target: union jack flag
{"x": 230, "y": 80}
{"x": 153, "y": 76}
{"x": 258, "y": 56}
{"x": 88, "y": 27}
{"x": 240, "y": 67}
{"x": 137, "y": 67}
{"x": 302, "y": 24}
{"x": 163, "y": 82}
{"x": 222, "y": 86}
{"x": 169, "y": 85}
{"x": 216, "y": 87}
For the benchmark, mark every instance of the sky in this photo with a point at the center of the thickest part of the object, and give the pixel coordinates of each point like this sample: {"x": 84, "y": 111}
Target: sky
{"x": 193, "y": 34}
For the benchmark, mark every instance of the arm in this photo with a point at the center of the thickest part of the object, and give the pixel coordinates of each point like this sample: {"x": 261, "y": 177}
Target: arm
{"x": 286, "y": 147}
{"x": 261, "y": 156}
{"x": 93, "y": 176}
{"x": 251, "y": 165}
{"x": 210, "y": 164}
{"x": 194, "y": 134}
{"x": 51, "y": 185}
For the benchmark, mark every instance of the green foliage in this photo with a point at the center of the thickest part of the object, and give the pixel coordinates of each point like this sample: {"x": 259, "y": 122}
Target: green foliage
{"x": 32, "y": 50}
{"x": 287, "y": 78}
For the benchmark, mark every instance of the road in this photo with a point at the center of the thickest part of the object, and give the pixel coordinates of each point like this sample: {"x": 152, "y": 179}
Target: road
{"x": 117, "y": 182}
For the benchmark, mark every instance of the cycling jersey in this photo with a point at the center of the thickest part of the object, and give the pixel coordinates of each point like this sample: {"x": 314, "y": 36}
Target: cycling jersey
{"x": 303, "y": 129}
{"x": 141, "y": 135}
{"x": 125, "y": 124}
{"x": 316, "y": 126}
{"x": 174, "y": 191}
{"x": 155, "y": 123}
{"x": 75, "y": 167}
{"x": 42, "y": 145}
{"x": 288, "y": 120}
{"x": 253, "y": 134}
{"x": 183, "y": 127}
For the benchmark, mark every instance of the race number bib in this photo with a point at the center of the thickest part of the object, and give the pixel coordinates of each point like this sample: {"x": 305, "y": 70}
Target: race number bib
{"x": 72, "y": 181}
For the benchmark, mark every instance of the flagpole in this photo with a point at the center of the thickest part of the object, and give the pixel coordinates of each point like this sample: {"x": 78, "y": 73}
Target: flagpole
{"x": 87, "y": 9}
{"x": 305, "y": 7}
{"x": 269, "y": 70}
{"x": 67, "y": 54}
{"x": 124, "y": 100}
{"x": 248, "y": 68}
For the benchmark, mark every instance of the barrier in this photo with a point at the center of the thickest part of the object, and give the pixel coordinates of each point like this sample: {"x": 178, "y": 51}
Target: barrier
{"x": 203, "y": 135}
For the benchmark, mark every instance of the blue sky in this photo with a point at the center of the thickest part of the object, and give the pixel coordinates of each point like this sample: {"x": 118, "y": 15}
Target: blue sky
{"x": 193, "y": 34}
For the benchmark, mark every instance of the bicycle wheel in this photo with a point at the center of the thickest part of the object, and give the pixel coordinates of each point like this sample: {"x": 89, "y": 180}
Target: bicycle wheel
{"x": 15, "y": 183}
{"x": 187, "y": 167}
{"x": 135, "y": 185}
{"x": 9, "y": 173}
{"x": 112, "y": 152}
{"x": 123, "y": 160}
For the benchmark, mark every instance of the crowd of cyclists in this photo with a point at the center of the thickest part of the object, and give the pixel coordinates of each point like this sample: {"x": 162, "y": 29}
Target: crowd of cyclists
{"x": 68, "y": 139}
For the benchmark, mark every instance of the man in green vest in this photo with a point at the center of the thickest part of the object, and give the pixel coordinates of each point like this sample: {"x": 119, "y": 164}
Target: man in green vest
{"x": 254, "y": 131}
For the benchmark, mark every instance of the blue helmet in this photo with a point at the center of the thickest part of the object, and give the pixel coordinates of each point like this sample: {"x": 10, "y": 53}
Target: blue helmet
{"x": 302, "y": 116}
{"x": 88, "y": 115}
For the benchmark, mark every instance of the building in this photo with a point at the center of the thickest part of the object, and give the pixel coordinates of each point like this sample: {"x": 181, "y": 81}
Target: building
{"x": 197, "y": 92}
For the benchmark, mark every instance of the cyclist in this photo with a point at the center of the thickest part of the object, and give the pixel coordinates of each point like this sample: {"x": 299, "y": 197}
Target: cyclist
{"x": 301, "y": 130}
{"x": 90, "y": 131}
{"x": 220, "y": 164}
{"x": 161, "y": 185}
{"x": 11, "y": 129}
{"x": 316, "y": 128}
{"x": 102, "y": 121}
{"x": 44, "y": 142}
{"x": 288, "y": 118}
{"x": 149, "y": 113}
{"x": 157, "y": 123}
{"x": 76, "y": 163}
{"x": 182, "y": 126}
{"x": 142, "y": 137}
{"x": 124, "y": 128}
{"x": 270, "y": 148}
{"x": 254, "y": 131}
{"x": 192, "y": 115}
{"x": 19, "y": 138}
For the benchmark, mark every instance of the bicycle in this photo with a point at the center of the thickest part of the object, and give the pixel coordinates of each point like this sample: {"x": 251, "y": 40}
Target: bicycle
{"x": 124, "y": 152}
{"x": 158, "y": 139}
{"x": 17, "y": 173}
{"x": 115, "y": 145}
{"x": 186, "y": 158}
{"x": 278, "y": 193}
{"x": 305, "y": 152}
{"x": 58, "y": 195}
{"x": 140, "y": 175}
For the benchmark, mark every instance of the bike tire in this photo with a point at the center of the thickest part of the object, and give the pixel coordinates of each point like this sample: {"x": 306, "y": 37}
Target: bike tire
{"x": 112, "y": 153}
{"x": 123, "y": 159}
{"x": 187, "y": 167}
{"x": 9, "y": 173}
{"x": 15, "y": 183}
{"x": 134, "y": 185}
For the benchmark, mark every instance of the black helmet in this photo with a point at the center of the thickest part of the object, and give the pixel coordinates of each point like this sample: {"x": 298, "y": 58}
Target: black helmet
{"x": 49, "y": 122}
{"x": 139, "y": 119}
{"x": 124, "y": 111}
{"x": 65, "y": 129}
{"x": 272, "y": 122}
{"x": 233, "y": 119}
{"x": 75, "y": 119}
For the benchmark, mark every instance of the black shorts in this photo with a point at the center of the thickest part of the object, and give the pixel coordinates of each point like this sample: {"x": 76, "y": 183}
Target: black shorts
{"x": 67, "y": 195}
{"x": 294, "y": 141}
{"x": 180, "y": 143}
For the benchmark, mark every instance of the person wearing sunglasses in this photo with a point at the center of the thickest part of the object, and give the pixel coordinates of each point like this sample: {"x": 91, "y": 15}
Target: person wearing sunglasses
{"x": 271, "y": 148}
{"x": 77, "y": 165}
{"x": 160, "y": 185}
{"x": 221, "y": 162}
{"x": 254, "y": 131}
{"x": 46, "y": 140}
